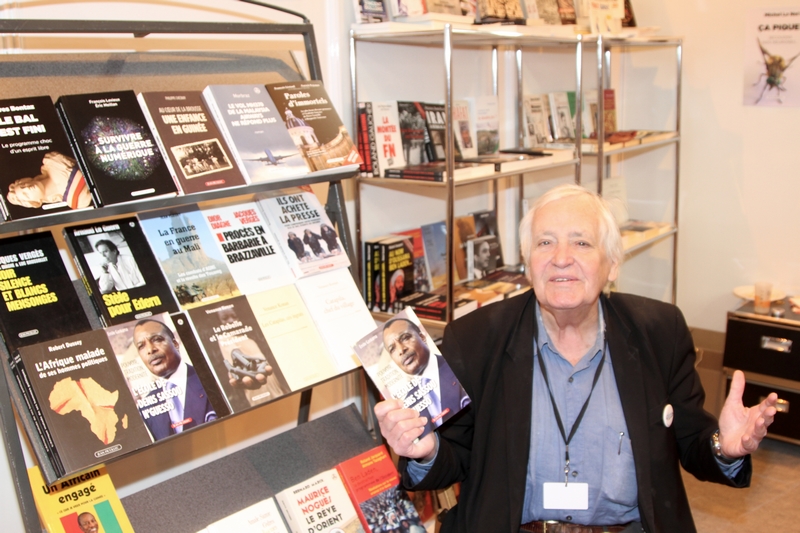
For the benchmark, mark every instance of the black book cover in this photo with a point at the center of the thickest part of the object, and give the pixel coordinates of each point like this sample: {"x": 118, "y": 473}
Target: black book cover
{"x": 40, "y": 174}
{"x": 84, "y": 399}
{"x": 164, "y": 375}
{"x": 193, "y": 146}
{"x": 436, "y": 122}
{"x": 238, "y": 353}
{"x": 119, "y": 153}
{"x": 39, "y": 302}
{"x": 119, "y": 270}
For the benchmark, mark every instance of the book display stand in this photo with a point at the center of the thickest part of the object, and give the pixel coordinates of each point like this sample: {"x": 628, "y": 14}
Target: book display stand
{"x": 150, "y": 56}
{"x": 188, "y": 502}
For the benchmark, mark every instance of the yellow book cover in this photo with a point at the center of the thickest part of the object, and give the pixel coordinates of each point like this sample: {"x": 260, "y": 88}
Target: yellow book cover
{"x": 83, "y": 503}
{"x": 291, "y": 334}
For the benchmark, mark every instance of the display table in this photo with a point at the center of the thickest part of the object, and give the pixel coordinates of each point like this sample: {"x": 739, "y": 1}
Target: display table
{"x": 767, "y": 349}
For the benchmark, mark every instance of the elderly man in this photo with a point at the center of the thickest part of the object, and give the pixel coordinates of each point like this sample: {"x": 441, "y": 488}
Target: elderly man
{"x": 583, "y": 405}
{"x": 159, "y": 350}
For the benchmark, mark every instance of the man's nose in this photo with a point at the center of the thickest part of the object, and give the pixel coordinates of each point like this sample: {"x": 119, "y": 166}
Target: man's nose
{"x": 562, "y": 255}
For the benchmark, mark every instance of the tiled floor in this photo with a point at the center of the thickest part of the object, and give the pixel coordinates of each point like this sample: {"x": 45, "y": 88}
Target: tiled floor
{"x": 771, "y": 502}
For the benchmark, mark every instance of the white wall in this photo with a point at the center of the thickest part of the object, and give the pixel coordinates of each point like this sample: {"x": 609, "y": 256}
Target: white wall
{"x": 740, "y": 192}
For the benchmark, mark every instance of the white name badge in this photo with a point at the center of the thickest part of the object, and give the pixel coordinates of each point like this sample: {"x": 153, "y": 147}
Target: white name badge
{"x": 572, "y": 496}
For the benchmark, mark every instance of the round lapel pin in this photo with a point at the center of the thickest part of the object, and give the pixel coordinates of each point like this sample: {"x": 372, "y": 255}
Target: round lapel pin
{"x": 667, "y": 415}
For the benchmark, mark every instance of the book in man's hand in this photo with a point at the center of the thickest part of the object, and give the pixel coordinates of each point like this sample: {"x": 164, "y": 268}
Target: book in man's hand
{"x": 115, "y": 147}
{"x": 405, "y": 364}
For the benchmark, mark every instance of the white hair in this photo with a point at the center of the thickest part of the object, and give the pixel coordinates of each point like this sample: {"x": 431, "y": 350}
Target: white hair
{"x": 610, "y": 238}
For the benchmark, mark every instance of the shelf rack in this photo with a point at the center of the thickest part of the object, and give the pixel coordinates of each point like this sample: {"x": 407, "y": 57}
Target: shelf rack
{"x": 141, "y": 30}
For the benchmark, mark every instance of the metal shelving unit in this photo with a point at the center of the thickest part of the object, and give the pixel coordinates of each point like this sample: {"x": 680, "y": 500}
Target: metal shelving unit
{"x": 19, "y": 66}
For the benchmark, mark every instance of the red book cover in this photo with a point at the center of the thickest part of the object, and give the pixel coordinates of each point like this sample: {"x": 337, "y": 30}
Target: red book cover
{"x": 373, "y": 485}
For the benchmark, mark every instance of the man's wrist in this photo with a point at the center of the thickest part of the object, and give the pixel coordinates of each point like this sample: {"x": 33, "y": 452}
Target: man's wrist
{"x": 716, "y": 448}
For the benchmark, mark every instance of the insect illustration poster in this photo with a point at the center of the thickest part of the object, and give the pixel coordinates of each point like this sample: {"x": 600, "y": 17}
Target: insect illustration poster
{"x": 772, "y": 57}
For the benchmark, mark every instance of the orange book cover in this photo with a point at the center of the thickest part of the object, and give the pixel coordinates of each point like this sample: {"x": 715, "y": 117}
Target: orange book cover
{"x": 373, "y": 485}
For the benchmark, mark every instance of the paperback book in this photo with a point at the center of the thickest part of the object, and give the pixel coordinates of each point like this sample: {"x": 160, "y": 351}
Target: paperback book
{"x": 413, "y": 133}
{"x": 34, "y": 283}
{"x": 314, "y": 125}
{"x": 423, "y": 381}
{"x": 483, "y": 256}
{"x": 261, "y": 517}
{"x": 464, "y": 130}
{"x": 117, "y": 150}
{"x": 119, "y": 271}
{"x": 188, "y": 254}
{"x": 84, "y": 399}
{"x": 434, "y": 238}
{"x": 422, "y": 278}
{"x": 396, "y": 267}
{"x": 368, "y": 145}
{"x": 373, "y": 484}
{"x": 40, "y": 173}
{"x": 97, "y": 506}
{"x": 195, "y": 151}
{"x": 388, "y": 140}
{"x": 289, "y": 329}
{"x": 436, "y": 123}
{"x": 336, "y": 306}
{"x": 243, "y": 362}
{"x": 537, "y": 126}
{"x": 251, "y": 252}
{"x": 320, "y": 504}
{"x": 299, "y": 223}
{"x": 487, "y": 123}
{"x": 563, "y": 127}
{"x": 253, "y": 128}
{"x": 161, "y": 375}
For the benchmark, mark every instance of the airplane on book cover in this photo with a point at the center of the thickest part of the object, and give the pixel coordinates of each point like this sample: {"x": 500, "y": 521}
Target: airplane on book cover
{"x": 270, "y": 158}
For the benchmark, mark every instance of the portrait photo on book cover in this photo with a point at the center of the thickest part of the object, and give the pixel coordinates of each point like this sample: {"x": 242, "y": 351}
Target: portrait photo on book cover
{"x": 160, "y": 374}
{"x": 201, "y": 158}
{"x": 405, "y": 363}
{"x": 111, "y": 262}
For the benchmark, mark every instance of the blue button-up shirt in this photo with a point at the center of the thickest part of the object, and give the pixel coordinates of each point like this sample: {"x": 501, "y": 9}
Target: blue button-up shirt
{"x": 600, "y": 451}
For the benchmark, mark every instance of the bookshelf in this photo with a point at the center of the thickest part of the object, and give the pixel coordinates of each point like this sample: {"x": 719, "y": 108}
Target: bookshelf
{"x": 74, "y": 56}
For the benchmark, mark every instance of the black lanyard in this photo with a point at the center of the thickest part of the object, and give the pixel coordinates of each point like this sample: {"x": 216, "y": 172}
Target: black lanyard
{"x": 564, "y": 436}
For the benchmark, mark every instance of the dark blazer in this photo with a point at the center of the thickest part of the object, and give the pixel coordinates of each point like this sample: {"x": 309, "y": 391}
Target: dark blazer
{"x": 451, "y": 392}
{"x": 197, "y": 407}
{"x": 486, "y": 446}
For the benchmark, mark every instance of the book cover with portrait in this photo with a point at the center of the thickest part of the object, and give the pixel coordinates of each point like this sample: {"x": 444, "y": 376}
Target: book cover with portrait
{"x": 164, "y": 374}
{"x": 119, "y": 271}
{"x": 116, "y": 149}
{"x": 405, "y": 364}
{"x": 79, "y": 503}
{"x": 40, "y": 173}
{"x": 194, "y": 148}
{"x": 39, "y": 300}
{"x": 83, "y": 399}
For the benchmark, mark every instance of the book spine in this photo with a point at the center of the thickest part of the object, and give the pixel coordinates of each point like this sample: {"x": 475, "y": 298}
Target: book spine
{"x": 99, "y": 308}
{"x": 38, "y": 417}
{"x": 373, "y": 143}
{"x": 367, "y": 277}
{"x": 422, "y": 176}
{"x": 384, "y": 273}
{"x": 363, "y": 141}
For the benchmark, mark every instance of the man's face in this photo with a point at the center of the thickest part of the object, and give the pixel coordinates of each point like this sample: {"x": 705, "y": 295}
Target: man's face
{"x": 483, "y": 256}
{"x": 158, "y": 351}
{"x": 87, "y": 523}
{"x": 569, "y": 266}
{"x": 108, "y": 254}
{"x": 406, "y": 347}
